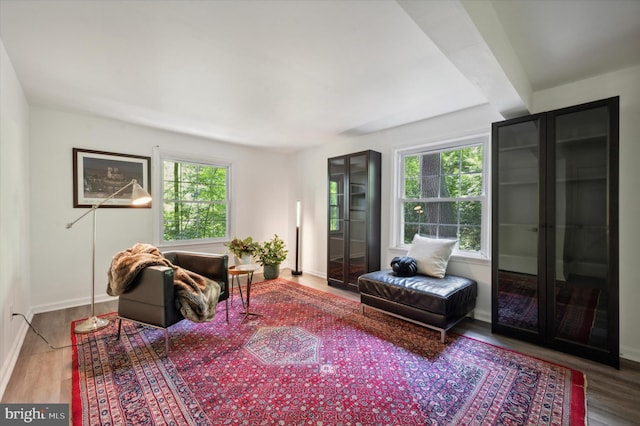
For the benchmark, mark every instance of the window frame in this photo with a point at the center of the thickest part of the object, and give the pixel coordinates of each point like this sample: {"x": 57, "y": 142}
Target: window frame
{"x": 161, "y": 157}
{"x": 437, "y": 146}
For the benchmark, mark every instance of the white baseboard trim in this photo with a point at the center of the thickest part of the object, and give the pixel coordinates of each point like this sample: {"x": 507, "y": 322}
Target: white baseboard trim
{"x": 14, "y": 352}
{"x": 7, "y": 369}
{"x": 483, "y": 316}
{"x": 629, "y": 353}
{"x": 319, "y": 274}
{"x": 71, "y": 303}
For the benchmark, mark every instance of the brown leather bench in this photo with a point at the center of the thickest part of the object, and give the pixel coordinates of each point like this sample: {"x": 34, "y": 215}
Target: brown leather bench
{"x": 436, "y": 303}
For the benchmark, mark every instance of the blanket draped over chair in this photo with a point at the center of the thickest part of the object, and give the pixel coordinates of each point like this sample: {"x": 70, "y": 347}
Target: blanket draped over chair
{"x": 196, "y": 296}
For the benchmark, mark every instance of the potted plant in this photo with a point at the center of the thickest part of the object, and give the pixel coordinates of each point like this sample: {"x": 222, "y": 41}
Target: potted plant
{"x": 270, "y": 255}
{"x": 242, "y": 249}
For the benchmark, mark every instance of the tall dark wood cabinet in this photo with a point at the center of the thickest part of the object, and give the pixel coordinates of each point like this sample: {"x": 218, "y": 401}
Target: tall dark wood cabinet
{"x": 555, "y": 229}
{"x": 354, "y": 218}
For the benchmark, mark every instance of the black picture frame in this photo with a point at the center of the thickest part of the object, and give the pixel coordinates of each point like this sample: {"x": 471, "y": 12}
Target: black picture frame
{"x": 98, "y": 174}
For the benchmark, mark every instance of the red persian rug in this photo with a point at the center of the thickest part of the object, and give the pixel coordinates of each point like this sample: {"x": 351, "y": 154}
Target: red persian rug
{"x": 312, "y": 359}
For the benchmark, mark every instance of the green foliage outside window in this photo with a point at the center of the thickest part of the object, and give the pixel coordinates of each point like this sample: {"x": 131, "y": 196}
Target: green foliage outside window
{"x": 443, "y": 194}
{"x": 334, "y": 206}
{"x": 195, "y": 201}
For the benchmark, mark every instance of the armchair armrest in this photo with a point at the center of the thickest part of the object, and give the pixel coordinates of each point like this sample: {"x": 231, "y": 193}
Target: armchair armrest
{"x": 151, "y": 299}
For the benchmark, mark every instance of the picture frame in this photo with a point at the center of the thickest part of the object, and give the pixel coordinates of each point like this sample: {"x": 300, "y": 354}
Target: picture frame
{"x": 98, "y": 174}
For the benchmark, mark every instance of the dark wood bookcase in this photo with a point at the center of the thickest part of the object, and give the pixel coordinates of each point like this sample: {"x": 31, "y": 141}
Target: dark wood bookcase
{"x": 555, "y": 229}
{"x": 353, "y": 227}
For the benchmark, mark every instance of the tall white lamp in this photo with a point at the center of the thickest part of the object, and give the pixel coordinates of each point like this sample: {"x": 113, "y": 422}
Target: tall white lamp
{"x": 297, "y": 271}
{"x": 139, "y": 197}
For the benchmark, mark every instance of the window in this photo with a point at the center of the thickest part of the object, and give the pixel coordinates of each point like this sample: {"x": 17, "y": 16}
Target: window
{"x": 195, "y": 204}
{"x": 442, "y": 193}
{"x": 335, "y": 194}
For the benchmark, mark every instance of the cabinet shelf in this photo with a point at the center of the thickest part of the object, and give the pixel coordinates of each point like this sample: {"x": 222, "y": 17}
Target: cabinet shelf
{"x": 582, "y": 179}
{"x": 580, "y": 140}
{"x": 532, "y": 226}
{"x": 564, "y": 180}
{"x": 527, "y": 147}
{"x": 516, "y": 183}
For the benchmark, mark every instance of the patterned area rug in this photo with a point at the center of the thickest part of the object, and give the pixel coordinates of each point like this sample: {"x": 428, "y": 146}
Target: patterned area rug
{"x": 312, "y": 359}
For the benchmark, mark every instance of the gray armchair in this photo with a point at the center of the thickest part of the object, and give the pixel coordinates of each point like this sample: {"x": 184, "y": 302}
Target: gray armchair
{"x": 151, "y": 299}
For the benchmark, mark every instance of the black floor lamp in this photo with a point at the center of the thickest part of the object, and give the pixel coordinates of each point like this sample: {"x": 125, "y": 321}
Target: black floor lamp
{"x": 139, "y": 197}
{"x": 297, "y": 271}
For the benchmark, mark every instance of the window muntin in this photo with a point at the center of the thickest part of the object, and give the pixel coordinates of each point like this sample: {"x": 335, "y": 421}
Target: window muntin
{"x": 195, "y": 201}
{"x": 443, "y": 194}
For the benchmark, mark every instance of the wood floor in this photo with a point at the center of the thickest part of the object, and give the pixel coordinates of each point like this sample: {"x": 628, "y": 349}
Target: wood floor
{"x": 43, "y": 374}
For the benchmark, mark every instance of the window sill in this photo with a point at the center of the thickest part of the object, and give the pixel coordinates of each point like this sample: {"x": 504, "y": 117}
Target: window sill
{"x": 180, "y": 245}
{"x": 470, "y": 258}
{"x": 457, "y": 257}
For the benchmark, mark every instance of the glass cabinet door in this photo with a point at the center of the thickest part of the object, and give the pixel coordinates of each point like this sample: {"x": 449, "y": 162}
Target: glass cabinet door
{"x": 336, "y": 246}
{"x": 517, "y": 156}
{"x": 358, "y": 176}
{"x": 580, "y": 267}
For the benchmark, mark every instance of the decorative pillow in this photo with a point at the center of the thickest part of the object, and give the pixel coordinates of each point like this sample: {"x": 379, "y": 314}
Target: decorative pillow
{"x": 404, "y": 266}
{"x": 431, "y": 255}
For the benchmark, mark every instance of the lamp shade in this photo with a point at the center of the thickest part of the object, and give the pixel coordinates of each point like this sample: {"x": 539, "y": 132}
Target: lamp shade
{"x": 139, "y": 196}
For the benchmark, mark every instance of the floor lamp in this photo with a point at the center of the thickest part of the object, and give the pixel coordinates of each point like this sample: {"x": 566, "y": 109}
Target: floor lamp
{"x": 138, "y": 197}
{"x": 297, "y": 271}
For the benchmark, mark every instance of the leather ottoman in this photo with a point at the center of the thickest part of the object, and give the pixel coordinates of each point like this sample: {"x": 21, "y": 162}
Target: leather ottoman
{"x": 437, "y": 303}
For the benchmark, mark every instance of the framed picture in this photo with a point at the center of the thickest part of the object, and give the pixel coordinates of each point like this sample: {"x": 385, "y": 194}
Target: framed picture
{"x": 98, "y": 174}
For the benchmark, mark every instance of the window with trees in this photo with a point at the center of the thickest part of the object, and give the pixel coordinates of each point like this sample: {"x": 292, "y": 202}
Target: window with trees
{"x": 442, "y": 193}
{"x": 195, "y": 201}
{"x": 335, "y": 194}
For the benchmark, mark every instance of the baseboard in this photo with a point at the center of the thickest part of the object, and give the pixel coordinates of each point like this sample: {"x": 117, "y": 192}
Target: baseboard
{"x": 629, "y": 353}
{"x": 71, "y": 303}
{"x": 14, "y": 352}
{"x": 16, "y": 346}
{"x": 483, "y": 316}
{"x": 318, "y": 274}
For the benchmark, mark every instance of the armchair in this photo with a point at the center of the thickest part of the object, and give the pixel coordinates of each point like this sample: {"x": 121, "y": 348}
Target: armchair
{"x": 151, "y": 299}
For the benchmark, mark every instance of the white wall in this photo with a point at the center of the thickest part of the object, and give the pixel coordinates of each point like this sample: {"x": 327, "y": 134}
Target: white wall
{"x": 14, "y": 215}
{"x": 626, "y": 84}
{"x": 61, "y": 258}
{"x": 312, "y": 172}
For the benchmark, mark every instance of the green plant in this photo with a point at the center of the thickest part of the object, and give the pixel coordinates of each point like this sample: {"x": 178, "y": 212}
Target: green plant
{"x": 241, "y": 247}
{"x": 272, "y": 252}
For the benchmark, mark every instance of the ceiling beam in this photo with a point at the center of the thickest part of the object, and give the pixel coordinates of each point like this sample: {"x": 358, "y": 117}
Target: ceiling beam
{"x": 472, "y": 38}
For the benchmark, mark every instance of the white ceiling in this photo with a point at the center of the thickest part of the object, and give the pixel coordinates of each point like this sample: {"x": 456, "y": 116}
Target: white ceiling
{"x": 291, "y": 74}
{"x": 559, "y": 41}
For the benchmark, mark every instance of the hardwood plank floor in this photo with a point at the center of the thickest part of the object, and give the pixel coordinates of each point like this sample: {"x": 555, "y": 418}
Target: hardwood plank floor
{"x": 43, "y": 374}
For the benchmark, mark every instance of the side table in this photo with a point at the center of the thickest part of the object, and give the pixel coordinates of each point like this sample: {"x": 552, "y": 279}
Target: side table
{"x": 236, "y": 272}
